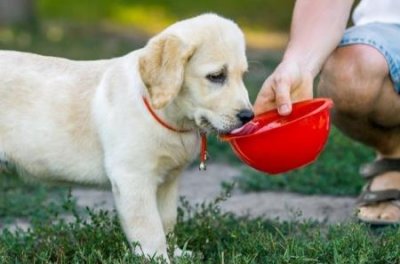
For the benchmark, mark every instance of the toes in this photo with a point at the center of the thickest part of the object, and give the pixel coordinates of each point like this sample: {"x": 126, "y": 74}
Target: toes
{"x": 369, "y": 212}
{"x": 382, "y": 211}
{"x": 181, "y": 253}
{"x": 390, "y": 213}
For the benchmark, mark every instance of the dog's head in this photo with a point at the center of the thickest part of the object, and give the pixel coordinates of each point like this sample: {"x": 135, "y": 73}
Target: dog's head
{"x": 197, "y": 66}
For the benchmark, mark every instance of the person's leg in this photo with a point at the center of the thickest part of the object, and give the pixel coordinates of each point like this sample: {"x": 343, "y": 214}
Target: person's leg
{"x": 367, "y": 108}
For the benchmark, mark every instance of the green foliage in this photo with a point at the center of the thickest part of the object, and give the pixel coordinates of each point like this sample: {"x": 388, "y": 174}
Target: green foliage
{"x": 335, "y": 172}
{"x": 225, "y": 238}
{"x": 28, "y": 200}
{"x": 82, "y": 10}
{"x": 98, "y": 239}
{"x": 265, "y": 14}
{"x": 72, "y": 42}
{"x": 221, "y": 151}
{"x": 212, "y": 236}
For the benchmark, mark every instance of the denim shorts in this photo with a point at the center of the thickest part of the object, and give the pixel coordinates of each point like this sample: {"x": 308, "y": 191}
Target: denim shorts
{"x": 383, "y": 37}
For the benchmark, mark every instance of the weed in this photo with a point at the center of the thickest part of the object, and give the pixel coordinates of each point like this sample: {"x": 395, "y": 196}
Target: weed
{"x": 212, "y": 235}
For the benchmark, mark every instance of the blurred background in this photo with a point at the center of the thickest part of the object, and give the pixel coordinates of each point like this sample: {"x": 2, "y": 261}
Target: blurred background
{"x": 87, "y": 30}
{"x": 265, "y": 21}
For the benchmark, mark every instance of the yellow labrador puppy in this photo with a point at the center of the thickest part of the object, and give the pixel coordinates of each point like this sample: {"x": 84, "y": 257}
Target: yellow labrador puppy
{"x": 87, "y": 121}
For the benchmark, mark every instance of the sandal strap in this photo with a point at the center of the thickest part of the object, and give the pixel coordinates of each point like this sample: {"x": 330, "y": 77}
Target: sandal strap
{"x": 395, "y": 203}
{"x": 370, "y": 197}
{"x": 370, "y": 170}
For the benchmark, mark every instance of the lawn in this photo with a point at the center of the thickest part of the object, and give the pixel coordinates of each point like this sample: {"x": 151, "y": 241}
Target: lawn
{"x": 214, "y": 237}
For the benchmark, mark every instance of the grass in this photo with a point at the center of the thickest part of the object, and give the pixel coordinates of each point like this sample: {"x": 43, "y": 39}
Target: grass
{"x": 156, "y": 14}
{"x": 212, "y": 236}
{"x": 69, "y": 41}
{"x": 265, "y": 21}
{"x": 20, "y": 199}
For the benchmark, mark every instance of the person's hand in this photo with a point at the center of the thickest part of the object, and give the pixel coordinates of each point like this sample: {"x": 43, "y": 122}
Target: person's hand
{"x": 288, "y": 83}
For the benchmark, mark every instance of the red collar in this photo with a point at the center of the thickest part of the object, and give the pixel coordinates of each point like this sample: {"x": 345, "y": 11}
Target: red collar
{"x": 156, "y": 117}
{"x": 203, "y": 146}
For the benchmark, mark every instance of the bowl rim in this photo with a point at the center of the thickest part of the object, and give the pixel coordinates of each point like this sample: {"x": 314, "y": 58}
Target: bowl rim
{"x": 327, "y": 104}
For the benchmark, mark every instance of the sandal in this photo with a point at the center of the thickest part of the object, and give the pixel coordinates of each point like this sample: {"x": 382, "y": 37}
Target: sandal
{"x": 367, "y": 197}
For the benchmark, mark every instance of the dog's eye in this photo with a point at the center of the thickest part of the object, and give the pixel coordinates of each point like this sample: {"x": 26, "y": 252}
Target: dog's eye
{"x": 219, "y": 77}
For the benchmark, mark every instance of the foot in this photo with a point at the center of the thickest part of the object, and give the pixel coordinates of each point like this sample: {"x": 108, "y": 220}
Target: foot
{"x": 182, "y": 253}
{"x": 383, "y": 211}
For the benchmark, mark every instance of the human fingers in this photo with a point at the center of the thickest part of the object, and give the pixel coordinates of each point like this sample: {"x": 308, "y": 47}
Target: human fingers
{"x": 265, "y": 99}
{"x": 282, "y": 97}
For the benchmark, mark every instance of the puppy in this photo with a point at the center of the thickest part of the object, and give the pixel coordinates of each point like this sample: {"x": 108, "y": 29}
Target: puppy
{"x": 87, "y": 122}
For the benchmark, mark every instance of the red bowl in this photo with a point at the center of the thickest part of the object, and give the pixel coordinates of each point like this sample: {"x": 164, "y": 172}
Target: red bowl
{"x": 275, "y": 144}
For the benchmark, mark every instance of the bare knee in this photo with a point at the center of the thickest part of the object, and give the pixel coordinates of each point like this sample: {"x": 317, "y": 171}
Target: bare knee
{"x": 353, "y": 77}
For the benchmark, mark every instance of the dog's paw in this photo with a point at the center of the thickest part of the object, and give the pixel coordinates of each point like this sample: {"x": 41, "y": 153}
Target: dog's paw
{"x": 182, "y": 253}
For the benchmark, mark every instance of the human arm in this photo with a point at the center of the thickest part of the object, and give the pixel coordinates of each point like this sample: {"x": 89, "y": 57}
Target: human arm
{"x": 317, "y": 27}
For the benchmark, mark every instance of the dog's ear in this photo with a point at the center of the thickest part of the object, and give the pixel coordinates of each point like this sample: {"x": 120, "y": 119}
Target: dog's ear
{"x": 162, "y": 67}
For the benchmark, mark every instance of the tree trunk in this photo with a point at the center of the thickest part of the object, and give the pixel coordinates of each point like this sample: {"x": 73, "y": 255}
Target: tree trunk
{"x": 16, "y": 12}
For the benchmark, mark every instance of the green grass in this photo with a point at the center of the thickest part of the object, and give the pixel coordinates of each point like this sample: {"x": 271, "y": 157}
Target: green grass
{"x": 265, "y": 14}
{"x": 213, "y": 237}
{"x": 20, "y": 199}
{"x": 69, "y": 41}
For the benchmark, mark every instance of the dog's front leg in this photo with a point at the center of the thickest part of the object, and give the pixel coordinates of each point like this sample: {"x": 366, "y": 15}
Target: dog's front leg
{"x": 135, "y": 195}
{"x": 167, "y": 199}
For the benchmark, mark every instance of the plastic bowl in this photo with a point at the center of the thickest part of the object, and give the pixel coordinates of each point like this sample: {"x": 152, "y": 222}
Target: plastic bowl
{"x": 275, "y": 144}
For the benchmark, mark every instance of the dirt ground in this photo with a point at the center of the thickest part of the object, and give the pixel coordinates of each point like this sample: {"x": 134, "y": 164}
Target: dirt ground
{"x": 198, "y": 186}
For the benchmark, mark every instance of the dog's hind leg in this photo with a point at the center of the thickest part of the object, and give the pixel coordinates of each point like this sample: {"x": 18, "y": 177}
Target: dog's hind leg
{"x": 4, "y": 162}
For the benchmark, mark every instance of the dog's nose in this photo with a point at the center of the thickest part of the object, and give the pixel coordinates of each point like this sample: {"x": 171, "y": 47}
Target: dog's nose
{"x": 245, "y": 116}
